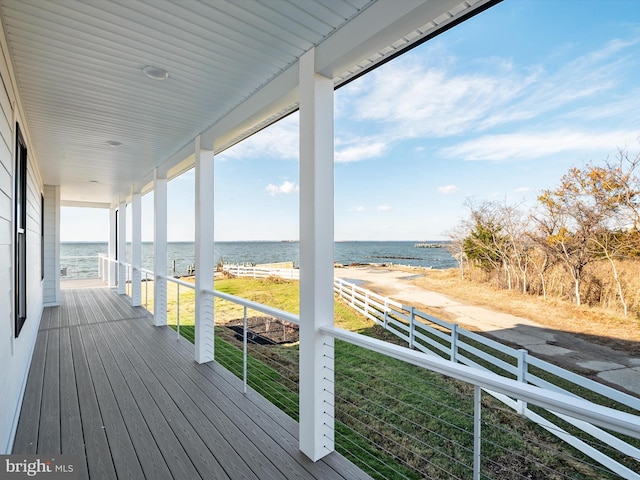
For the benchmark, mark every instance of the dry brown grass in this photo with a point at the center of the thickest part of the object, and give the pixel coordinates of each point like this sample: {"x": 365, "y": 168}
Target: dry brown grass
{"x": 613, "y": 328}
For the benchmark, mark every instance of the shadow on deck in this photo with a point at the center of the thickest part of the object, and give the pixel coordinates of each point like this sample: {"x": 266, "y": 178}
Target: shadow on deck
{"x": 129, "y": 400}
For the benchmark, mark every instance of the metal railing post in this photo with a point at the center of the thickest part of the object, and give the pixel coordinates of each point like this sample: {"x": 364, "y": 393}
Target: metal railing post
{"x": 178, "y": 311}
{"x": 244, "y": 352}
{"x": 477, "y": 426}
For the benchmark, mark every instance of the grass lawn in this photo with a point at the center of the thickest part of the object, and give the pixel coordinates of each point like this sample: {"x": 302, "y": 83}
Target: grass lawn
{"x": 394, "y": 420}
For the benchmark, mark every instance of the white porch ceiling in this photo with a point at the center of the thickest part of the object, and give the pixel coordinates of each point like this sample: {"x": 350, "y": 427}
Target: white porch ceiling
{"x": 232, "y": 69}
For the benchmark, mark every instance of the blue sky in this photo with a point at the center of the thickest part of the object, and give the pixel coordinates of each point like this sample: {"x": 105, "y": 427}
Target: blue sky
{"x": 497, "y": 108}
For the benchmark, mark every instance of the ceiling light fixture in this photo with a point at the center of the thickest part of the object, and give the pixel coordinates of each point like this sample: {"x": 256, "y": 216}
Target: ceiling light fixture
{"x": 155, "y": 73}
{"x": 114, "y": 143}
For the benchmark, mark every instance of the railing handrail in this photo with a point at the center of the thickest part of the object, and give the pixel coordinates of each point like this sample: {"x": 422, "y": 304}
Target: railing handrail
{"x": 557, "y": 402}
{"x": 592, "y": 385}
{"x": 274, "y": 312}
{"x": 177, "y": 281}
{"x": 605, "y": 417}
{"x": 391, "y": 314}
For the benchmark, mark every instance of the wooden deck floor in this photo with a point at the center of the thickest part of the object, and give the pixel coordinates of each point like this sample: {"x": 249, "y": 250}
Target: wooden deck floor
{"x": 128, "y": 398}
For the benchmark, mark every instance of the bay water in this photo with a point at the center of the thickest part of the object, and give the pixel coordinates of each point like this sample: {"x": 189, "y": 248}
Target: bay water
{"x": 80, "y": 262}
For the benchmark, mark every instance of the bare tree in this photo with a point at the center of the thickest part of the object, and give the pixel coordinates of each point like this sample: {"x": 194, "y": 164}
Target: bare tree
{"x": 456, "y": 247}
{"x": 570, "y": 217}
{"x": 518, "y": 244}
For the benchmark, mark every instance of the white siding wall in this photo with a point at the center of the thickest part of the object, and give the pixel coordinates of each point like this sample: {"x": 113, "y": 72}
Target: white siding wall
{"x": 15, "y": 353}
{"x": 51, "y": 245}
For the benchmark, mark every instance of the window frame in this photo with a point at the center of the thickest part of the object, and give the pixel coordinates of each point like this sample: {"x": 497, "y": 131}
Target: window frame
{"x": 20, "y": 232}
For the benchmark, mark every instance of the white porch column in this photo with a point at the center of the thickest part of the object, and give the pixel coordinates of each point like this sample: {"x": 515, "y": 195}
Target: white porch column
{"x": 112, "y": 267}
{"x": 205, "y": 266}
{"x": 51, "y": 287}
{"x": 136, "y": 249}
{"x": 122, "y": 247}
{"x": 159, "y": 249}
{"x": 316, "y": 260}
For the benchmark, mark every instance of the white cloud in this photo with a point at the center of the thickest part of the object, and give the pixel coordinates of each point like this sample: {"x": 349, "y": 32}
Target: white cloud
{"x": 448, "y": 189}
{"x": 280, "y": 140}
{"x": 359, "y": 208}
{"x": 384, "y": 208}
{"x": 358, "y": 149}
{"x": 525, "y": 146}
{"x": 416, "y": 100}
{"x": 424, "y": 97}
{"x": 522, "y": 190}
{"x": 286, "y": 188}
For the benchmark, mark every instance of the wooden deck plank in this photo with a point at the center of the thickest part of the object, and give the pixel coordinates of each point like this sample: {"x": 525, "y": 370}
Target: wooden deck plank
{"x": 123, "y": 453}
{"x": 149, "y": 454}
{"x": 56, "y": 313}
{"x": 49, "y": 437}
{"x": 265, "y": 416}
{"x": 26, "y": 440}
{"x": 46, "y": 319}
{"x": 71, "y": 309}
{"x": 97, "y": 447}
{"x": 176, "y": 457}
{"x": 138, "y": 406}
{"x": 231, "y": 403}
{"x": 71, "y": 437}
{"x": 180, "y": 412}
{"x": 227, "y": 433}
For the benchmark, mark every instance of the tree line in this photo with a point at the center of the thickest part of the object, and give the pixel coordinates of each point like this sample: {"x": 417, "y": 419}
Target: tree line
{"x": 581, "y": 240}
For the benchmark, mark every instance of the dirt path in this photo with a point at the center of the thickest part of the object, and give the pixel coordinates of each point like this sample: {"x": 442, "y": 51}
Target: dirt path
{"x": 573, "y": 352}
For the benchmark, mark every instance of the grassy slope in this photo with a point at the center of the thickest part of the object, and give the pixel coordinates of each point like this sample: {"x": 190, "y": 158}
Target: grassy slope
{"x": 375, "y": 394}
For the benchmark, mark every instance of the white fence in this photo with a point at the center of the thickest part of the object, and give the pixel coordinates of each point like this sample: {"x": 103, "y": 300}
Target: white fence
{"x": 446, "y": 340}
{"x": 262, "y": 272}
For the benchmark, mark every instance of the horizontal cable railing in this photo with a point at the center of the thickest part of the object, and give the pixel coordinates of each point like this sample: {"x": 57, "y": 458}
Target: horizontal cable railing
{"x": 434, "y": 336}
{"x": 80, "y": 266}
{"x": 447, "y": 340}
{"x": 460, "y": 442}
{"x": 421, "y": 421}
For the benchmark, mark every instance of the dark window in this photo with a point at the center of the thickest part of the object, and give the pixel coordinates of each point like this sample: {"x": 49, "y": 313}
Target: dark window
{"x": 20, "y": 223}
{"x": 41, "y": 236}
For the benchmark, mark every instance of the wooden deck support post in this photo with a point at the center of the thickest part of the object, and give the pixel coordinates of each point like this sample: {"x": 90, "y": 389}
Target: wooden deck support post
{"x": 122, "y": 247}
{"x": 136, "y": 249}
{"x": 159, "y": 249}
{"x": 204, "y": 332}
{"x": 316, "y": 260}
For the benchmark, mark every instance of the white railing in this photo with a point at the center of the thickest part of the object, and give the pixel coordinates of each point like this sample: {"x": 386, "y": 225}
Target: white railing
{"x": 80, "y": 266}
{"x": 568, "y": 406}
{"x": 179, "y": 283}
{"x": 446, "y": 340}
{"x": 441, "y": 347}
